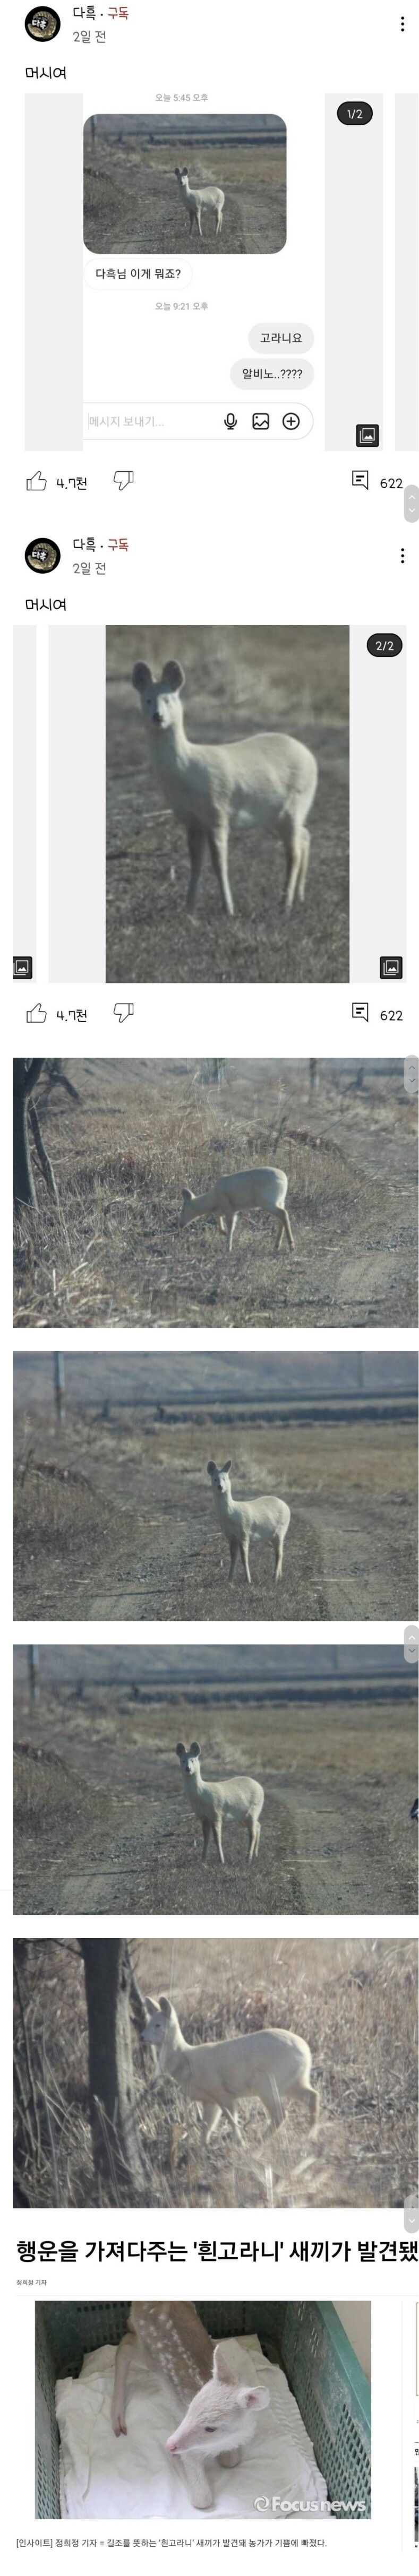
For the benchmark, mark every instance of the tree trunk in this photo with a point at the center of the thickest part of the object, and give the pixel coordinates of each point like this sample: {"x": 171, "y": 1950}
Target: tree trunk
{"x": 25, "y": 1074}
{"x": 113, "y": 2113}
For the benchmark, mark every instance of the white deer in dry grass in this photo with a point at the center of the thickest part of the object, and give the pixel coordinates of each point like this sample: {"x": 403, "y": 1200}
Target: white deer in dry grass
{"x": 267, "y": 2064}
{"x": 263, "y": 1517}
{"x": 221, "y": 2412}
{"x": 262, "y": 1187}
{"x": 268, "y": 779}
{"x": 239, "y": 1801}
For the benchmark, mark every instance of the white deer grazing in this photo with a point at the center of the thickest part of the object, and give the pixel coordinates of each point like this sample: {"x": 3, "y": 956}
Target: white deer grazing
{"x": 261, "y": 1188}
{"x": 220, "y": 2413}
{"x": 264, "y": 1518}
{"x": 198, "y": 199}
{"x": 215, "y": 1801}
{"x": 266, "y": 779}
{"x": 268, "y": 2064}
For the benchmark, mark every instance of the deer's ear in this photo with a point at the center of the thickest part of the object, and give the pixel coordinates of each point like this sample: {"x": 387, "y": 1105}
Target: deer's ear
{"x": 141, "y": 676}
{"x": 253, "y": 2397}
{"x": 150, "y": 2004}
{"x": 180, "y": 1749}
{"x": 173, "y": 676}
{"x": 165, "y": 2007}
{"x": 195, "y": 1748}
{"x": 225, "y": 1470}
{"x": 212, "y": 1470}
{"x": 221, "y": 2367}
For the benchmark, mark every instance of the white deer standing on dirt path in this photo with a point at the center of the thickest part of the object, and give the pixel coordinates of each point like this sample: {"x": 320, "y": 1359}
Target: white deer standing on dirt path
{"x": 264, "y": 1517}
{"x": 221, "y": 2411}
{"x": 213, "y": 1801}
{"x": 262, "y": 1187}
{"x": 201, "y": 199}
{"x": 266, "y": 779}
{"x": 267, "y": 2064}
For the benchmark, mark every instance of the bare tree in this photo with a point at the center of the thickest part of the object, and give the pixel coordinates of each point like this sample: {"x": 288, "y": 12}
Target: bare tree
{"x": 113, "y": 2113}
{"x": 26, "y": 1072}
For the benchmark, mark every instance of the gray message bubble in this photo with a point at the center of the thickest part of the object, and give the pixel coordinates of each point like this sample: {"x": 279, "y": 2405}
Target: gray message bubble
{"x": 286, "y": 338}
{"x": 290, "y": 378}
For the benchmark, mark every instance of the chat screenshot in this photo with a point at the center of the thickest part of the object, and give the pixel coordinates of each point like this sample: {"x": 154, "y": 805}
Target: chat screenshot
{"x": 209, "y": 1887}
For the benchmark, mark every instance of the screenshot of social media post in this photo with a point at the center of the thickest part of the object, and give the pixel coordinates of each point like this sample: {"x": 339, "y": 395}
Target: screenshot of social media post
{"x": 171, "y": 159}
{"x": 209, "y": 1889}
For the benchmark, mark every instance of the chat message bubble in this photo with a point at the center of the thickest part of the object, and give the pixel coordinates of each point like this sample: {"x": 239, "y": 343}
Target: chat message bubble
{"x": 285, "y": 337}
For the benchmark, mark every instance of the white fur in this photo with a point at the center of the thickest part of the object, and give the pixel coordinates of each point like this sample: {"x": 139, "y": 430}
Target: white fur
{"x": 268, "y": 2064}
{"x": 266, "y": 779}
{"x": 214, "y": 1800}
{"x": 220, "y": 2412}
{"x": 264, "y": 1517}
{"x": 263, "y": 1187}
{"x": 198, "y": 200}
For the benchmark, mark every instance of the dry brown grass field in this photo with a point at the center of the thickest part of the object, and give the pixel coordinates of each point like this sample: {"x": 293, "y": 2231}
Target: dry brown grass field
{"x": 113, "y": 1512}
{"x": 102, "y": 1824}
{"x": 122, "y": 1152}
{"x": 133, "y": 204}
{"x": 355, "y": 2001}
{"x": 238, "y": 681}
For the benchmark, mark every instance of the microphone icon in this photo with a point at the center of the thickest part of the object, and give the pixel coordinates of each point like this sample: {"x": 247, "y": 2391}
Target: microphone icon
{"x": 230, "y": 420}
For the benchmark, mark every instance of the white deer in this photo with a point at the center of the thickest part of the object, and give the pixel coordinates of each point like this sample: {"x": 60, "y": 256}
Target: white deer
{"x": 265, "y": 1517}
{"x": 221, "y": 2411}
{"x": 267, "y": 2064}
{"x": 265, "y": 779}
{"x": 214, "y": 1801}
{"x": 201, "y": 198}
{"x": 260, "y": 1188}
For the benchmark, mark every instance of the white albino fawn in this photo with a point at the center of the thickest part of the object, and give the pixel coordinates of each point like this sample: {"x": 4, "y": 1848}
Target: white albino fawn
{"x": 263, "y": 1187}
{"x": 218, "y": 2072}
{"x": 240, "y": 1800}
{"x": 268, "y": 779}
{"x": 263, "y": 1517}
{"x": 220, "y": 2412}
{"x": 200, "y": 200}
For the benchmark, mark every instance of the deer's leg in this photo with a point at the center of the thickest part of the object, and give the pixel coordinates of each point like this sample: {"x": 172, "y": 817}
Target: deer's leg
{"x": 196, "y": 847}
{"x": 280, "y": 1228}
{"x": 292, "y": 836}
{"x": 206, "y": 1830}
{"x": 288, "y": 1230}
{"x": 252, "y": 1840}
{"x": 218, "y": 841}
{"x": 213, "y": 2123}
{"x": 123, "y": 2358}
{"x": 198, "y": 218}
{"x": 305, "y": 839}
{"x": 279, "y": 1551}
{"x": 244, "y": 1552}
{"x": 197, "y": 2482}
{"x": 233, "y": 1553}
{"x": 232, "y": 1228}
{"x": 216, "y": 1830}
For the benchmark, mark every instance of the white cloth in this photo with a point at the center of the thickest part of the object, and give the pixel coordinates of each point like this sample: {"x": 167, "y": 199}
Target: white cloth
{"x": 125, "y": 2480}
